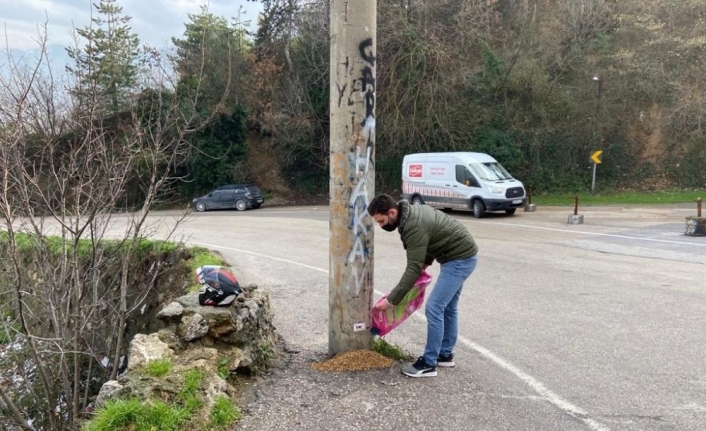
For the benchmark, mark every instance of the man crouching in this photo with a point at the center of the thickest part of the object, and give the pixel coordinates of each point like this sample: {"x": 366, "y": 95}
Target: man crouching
{"x": 429, "y": 234}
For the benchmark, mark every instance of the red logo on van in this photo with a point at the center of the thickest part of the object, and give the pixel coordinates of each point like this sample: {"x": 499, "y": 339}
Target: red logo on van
{"x": 415, "y": 171}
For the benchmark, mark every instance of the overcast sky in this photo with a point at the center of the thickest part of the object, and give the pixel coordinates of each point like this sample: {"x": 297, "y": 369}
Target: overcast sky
{"x": 154, "y": 21}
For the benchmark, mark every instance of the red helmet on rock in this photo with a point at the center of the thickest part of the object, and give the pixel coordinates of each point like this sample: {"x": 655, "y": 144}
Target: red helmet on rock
{"x": 219, "y": 287}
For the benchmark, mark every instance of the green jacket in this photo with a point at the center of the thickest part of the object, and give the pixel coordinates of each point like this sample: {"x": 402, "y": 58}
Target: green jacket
{"x": 428, "y": 234}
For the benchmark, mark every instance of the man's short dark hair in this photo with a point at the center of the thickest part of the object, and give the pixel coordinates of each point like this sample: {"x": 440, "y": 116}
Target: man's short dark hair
{"x": 381, "y": 204}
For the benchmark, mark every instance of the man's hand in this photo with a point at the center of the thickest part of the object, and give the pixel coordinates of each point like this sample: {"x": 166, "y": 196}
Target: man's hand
{"x": 382, "y": 305}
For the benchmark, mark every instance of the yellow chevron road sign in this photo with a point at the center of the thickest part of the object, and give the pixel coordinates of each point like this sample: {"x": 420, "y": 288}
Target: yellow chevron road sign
{"x": 597, "y": 157}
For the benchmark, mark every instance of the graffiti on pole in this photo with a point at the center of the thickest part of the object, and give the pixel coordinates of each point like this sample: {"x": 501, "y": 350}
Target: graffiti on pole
{"x": 367, "y": 82}
{"x": 361, "y": 163}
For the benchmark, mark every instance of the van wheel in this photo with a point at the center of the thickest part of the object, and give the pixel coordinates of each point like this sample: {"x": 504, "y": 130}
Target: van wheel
{"x": 510, "y": 211}
{"x": 240, "y": 205}
{"x": 478, "y": 208}
{"x": 417, "y": 200}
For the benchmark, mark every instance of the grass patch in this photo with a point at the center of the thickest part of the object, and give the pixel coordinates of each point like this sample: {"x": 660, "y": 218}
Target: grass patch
{"x": 267, "y": 351}
{"x": 189, "y": 395}
{"x": 623, "y": 198}
{"x": 86, "y": 247}
{"x": 133, "y": 414}
{"x": 224, "y": 413}
{"x": 158, "y": 367}
{"x": 23, "y": 242}
{"x": 223, "y": 370}
{"x": 390, "y": 350}
{"x": 136, "y": 415}
{"x": 201, "y": 256}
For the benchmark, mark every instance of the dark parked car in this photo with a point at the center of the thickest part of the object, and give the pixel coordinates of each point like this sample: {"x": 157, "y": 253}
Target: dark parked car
{"x": 238, "y": 196}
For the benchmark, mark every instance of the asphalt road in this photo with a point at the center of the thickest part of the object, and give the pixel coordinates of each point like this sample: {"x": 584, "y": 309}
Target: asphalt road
{"x": 600, "y": 326}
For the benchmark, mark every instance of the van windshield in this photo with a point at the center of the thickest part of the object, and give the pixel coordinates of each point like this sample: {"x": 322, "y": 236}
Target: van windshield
{"x": 491, "y": 171}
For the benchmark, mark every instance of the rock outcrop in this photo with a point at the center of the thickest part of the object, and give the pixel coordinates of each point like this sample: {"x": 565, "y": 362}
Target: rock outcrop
{"x": 219, "y": 341}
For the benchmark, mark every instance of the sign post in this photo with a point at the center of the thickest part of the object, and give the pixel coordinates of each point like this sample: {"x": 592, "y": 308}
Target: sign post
{"x": 597, "y": 159}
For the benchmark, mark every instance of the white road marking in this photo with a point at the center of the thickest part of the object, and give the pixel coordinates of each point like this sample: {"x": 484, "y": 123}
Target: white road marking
{"x": 261, "y": 255}
{"x": 596, "y": 234}
{"x": 530, "y": 381}
{"x": 534, "y": 227}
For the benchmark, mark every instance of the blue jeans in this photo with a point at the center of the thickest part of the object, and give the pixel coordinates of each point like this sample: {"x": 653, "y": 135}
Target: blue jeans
{"x": 442, "y": 308}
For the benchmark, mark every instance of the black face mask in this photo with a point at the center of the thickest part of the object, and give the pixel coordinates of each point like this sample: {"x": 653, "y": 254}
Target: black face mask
{"x": 390, "y": 226}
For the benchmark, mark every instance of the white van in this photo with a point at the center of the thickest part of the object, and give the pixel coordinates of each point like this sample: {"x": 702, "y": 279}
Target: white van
{"x": 463, "y": 181}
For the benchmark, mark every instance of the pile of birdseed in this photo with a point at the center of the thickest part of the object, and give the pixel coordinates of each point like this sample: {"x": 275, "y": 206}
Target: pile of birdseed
{"x": 354, "y": 360}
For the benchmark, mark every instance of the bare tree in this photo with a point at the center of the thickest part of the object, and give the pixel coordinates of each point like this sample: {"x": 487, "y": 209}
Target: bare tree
{"x": 76, "y": 267}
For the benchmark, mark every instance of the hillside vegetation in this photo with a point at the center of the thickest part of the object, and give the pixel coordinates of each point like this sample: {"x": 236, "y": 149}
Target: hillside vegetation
{"x": 539, "y": 84}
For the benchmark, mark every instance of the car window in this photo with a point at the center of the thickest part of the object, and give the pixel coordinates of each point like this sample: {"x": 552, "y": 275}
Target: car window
{"x": 254, "y": 190}
{"x": 463, "y": 174}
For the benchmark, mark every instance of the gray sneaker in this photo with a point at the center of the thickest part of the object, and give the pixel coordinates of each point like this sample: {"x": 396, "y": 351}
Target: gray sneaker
{"x": 419, "y": 369}
{"x": 446, "y": 361}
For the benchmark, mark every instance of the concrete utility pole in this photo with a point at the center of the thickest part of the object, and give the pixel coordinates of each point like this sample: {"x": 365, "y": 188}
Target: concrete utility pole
{"x": 352, "y": 104}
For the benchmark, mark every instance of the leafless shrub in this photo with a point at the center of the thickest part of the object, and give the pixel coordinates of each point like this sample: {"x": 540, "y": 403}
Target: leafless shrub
{"x": 66, "y": 168}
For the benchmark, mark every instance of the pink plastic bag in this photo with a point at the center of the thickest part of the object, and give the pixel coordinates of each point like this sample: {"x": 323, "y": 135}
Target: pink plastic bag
{"x": 385, "y": 321}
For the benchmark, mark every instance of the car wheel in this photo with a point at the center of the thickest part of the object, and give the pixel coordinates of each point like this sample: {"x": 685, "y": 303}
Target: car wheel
{"x": 200, "y": 207}
{"x": 417, "y": 200}
{"x": 510, "y": 211}
{"x": 478, "y": 208}
{"x": 240, "y": 205}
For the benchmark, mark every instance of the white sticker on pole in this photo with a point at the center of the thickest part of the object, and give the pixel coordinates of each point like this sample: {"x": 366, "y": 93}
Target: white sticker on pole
{"x": 357, "y": 327}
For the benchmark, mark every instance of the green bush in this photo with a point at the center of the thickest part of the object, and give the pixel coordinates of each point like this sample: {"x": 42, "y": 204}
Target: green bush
{"x": 220, "y": 155}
